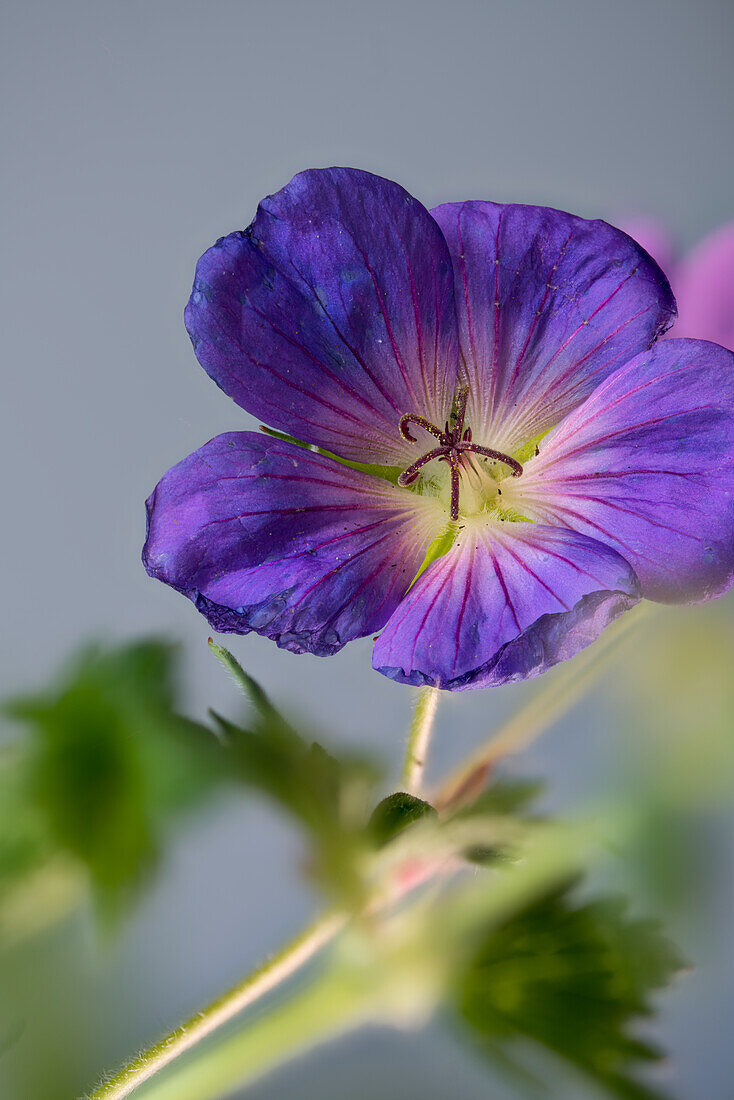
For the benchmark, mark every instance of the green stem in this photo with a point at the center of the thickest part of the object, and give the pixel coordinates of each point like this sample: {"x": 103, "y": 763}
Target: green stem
{"x": 331, "y": 1006}
{"x": 420, "y": 731}
{"x": 276, "y": 970}
{"x": 394, "y": 988}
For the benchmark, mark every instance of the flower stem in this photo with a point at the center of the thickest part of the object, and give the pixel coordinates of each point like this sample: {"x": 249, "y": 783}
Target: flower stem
{"x": 420, "y": 731}
{"x": 389, "y": 988}
{"x": 266, "y": 977}
{"x": 331, "y": 1006}
{"x": 255, "y": 1051}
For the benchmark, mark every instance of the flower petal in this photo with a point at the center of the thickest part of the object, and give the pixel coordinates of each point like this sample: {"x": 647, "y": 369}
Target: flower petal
{"x": 705, "y": 285}
{"x": 646, "y": 465}
{"x": 332, "y": 315}
{"x": 549, "y": 305}
{"x": 270, "y": 537}
{"x": 505, "y": 603}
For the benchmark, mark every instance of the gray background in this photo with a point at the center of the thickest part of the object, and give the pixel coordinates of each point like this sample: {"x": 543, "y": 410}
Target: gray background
{"x": 134, "y": 134}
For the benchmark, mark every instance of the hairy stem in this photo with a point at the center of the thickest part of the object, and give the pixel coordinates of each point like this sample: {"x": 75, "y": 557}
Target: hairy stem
{"x": 418, "y": 737}
{"x": 357, "y": 990}
{"x": 267, "y": 976}
{"x": 329, "y": 1007}
{"x": 311, "y": 1017}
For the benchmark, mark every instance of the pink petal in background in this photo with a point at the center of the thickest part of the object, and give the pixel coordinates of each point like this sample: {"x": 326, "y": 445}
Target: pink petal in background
{"x": 702, "y": 281}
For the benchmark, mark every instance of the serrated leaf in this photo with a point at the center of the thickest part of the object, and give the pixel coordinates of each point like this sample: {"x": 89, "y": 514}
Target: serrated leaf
{"x": 326, "y": 795}
{"x": 575, "y": 978}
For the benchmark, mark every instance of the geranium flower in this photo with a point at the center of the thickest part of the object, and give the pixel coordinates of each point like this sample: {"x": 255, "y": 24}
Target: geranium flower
{"x": 703, "y": 280}
{"x": 488, "y": 458}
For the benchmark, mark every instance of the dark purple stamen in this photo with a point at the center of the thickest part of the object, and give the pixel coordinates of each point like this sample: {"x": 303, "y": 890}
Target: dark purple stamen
{"x": 453, "y": 443}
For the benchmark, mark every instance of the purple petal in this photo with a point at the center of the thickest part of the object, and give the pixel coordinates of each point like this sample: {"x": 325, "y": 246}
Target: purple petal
{"x": 270, "y": 537}
{"x": 646, "y": 466}
{"x": 332, "y": 315}
{"x": 549, "y": 305}
{"x": 705, "y": 286}
{"x": 506, "y": 602}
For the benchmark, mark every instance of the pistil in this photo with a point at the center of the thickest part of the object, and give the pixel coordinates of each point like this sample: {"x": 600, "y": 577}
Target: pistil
{"x": 452, "y": 444}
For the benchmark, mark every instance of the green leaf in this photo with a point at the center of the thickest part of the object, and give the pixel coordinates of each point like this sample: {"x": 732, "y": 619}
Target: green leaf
{"x": 395, "y": 813}
{"x": 575, "y": 978}
{"x": 109, "y": 759}
{"x": 328, "y": 796}
{"x": 24, "y": 838}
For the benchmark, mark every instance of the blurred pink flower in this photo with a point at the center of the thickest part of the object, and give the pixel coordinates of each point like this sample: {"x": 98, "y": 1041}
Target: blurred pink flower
{"x": 702, "y": 281}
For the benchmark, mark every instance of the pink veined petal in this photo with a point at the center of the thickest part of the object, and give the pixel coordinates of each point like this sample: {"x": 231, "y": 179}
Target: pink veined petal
{"x": 549, "y": 305}
{"x": 505, "y": 603}
{"x": 646, "y": 465}
{"x": 332, "y": 315}
{"x": 265, "y": 536}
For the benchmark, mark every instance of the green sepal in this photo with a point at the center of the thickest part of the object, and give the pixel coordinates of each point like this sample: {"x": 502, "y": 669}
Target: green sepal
{"x": 395, "y": 813}
{"x": 532, "y": 448}
{"x": 504, "y": 797}
{"x": 440, "y": 546}
{"x": 251, "y": 688}
{"x": 386, "y": 473}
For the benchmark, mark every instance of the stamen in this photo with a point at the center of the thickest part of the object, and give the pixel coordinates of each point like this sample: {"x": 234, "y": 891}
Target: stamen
{"x": 498, "y": 456}
{"x": 453, "y": 443}
{"x": 408, "y": 476}
{"x": 453, "y": 462}
{"x": 411, "y": 418}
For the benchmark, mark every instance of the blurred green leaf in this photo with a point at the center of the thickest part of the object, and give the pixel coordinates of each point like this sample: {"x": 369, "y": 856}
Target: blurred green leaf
{"x": 329, "y": 797}
{"x": 678, "y": 708}
{"x": 24, "y": 837}
{"x": 575, "y": 978}
{"x": 674, "y": 752}
{"x": 109, "y": 758}
{"x": 505, "y": 797}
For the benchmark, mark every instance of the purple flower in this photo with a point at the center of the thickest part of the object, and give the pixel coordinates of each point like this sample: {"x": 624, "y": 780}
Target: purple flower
{"x": 488, "y": 457}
